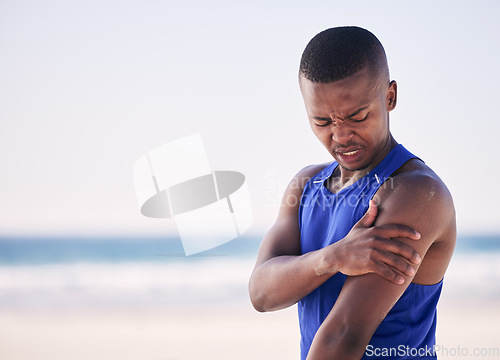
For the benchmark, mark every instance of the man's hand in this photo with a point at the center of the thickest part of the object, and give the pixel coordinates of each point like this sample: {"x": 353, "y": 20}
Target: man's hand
{"x": 369, "y": 249}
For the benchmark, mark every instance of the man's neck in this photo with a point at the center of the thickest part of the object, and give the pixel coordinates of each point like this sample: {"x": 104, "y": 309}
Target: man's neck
{"x": 342, "y": 177}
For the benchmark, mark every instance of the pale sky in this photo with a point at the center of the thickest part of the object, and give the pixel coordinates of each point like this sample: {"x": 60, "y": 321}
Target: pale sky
{"x": 87, "y": 87}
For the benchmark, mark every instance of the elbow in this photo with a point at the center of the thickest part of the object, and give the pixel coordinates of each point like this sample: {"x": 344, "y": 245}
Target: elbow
{"x": 258, "y": 305}
{"x": 258, "y": 296}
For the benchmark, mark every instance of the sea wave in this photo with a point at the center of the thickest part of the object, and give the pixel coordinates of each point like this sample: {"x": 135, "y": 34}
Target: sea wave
{"x": 220, "y": 277}
{"x": 136, "y": 283}
{"x": 473, "y": 275}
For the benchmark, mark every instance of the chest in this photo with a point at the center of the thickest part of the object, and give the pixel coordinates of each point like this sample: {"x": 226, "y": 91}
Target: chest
{"x": 326, "y": 217}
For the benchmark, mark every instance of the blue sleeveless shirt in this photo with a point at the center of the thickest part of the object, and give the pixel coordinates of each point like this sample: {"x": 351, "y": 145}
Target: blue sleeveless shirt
{"x": 408, "y": 330}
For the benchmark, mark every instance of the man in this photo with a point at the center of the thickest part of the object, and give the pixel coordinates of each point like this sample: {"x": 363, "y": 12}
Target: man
{"x": 365, "y": 249}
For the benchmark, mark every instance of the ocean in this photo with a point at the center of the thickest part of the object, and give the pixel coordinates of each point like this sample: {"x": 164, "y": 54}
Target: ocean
{"x": 38, "y": 272}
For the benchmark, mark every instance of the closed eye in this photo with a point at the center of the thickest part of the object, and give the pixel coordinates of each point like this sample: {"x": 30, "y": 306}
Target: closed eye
{"x": 322, "y": 123}
{"x": 359, "y": 120}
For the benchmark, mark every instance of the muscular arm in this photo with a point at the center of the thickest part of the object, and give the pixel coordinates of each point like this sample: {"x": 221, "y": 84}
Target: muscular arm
{"x": 282, "y": 276}
{"x": 419, "y": 200}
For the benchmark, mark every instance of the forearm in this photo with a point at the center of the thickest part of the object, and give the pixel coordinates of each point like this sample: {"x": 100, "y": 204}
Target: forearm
{"x": 284, "y": 280}
{"x": 346, "y": 331}
{"x": 361, "y": 306}
{"x": 336, "y": 349}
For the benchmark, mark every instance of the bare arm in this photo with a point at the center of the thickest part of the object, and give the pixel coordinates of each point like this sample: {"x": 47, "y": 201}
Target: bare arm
{"x": 423, "y": 203}
{"x": 282, "y": 276}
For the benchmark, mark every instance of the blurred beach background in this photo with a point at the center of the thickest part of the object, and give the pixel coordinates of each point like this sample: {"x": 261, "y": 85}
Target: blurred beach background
{"x": 86, "y": 88}
{"x": 129, "y": 298}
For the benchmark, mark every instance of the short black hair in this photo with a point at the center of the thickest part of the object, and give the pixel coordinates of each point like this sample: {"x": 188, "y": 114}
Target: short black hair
{"x": 339, "y": 52}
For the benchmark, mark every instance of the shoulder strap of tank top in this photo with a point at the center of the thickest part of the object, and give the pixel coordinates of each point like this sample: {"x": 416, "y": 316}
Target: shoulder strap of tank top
{"x": 393, "y": 161}
{"x": 318, "y": 179}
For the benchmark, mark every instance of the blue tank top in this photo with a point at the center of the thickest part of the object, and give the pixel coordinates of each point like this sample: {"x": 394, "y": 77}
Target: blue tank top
{"x": 408, "y": 330}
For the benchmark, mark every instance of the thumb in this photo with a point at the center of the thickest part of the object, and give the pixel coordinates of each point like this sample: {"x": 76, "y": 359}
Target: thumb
{"x": 370, "y": 215}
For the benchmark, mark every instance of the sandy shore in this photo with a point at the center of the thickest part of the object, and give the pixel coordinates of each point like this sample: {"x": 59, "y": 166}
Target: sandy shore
{"x": 466, "y": 327}
{"x": 236, "y": 332}
{"x": 200, "y": 333}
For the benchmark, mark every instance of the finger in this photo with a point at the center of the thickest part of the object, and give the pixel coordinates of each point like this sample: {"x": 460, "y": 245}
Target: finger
{"x": 370, "y": 215}
{"x": 396, "y": 230}
{"x": 389, "y": 274}
{"x": 397, "y": 263}
{"x": 400, "y": 249}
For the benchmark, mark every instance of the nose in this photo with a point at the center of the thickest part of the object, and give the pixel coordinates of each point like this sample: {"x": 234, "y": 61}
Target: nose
{"x": 341, "y": 133}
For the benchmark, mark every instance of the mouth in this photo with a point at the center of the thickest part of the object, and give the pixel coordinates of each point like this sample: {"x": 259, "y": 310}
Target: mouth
{"x": 349, "y": 153}
{"x": 350, "y": 156}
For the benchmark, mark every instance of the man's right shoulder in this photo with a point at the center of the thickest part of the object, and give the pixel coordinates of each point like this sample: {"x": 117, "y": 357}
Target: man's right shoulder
{"x": 293, "y": 193}
{"x": 304, "y": 175}
{"x": 299, "y": 181}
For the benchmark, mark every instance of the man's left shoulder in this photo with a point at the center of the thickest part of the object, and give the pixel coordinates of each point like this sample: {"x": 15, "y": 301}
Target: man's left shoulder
{"x": 415, "y": 196}
{"x": 416, "y": 181}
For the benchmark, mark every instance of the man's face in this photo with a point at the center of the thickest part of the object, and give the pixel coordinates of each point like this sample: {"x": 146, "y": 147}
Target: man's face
{"x": 350, "y": 117}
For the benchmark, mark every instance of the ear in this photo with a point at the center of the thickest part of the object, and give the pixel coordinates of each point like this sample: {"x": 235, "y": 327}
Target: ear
{"x": 392, "y": 96}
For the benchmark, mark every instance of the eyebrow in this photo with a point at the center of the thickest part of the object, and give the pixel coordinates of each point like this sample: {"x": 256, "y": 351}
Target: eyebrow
{"x": 347, "y": 117}
{"x": 356, "y": 112}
